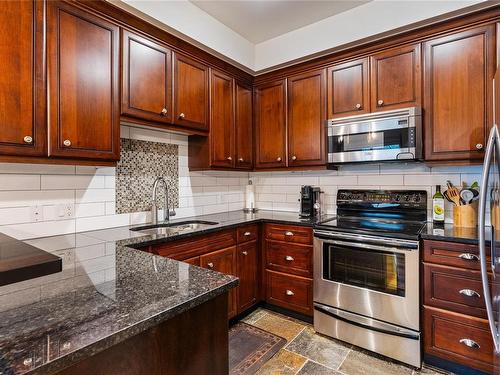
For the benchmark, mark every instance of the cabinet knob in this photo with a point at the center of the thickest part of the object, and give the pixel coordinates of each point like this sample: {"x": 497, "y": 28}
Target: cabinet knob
{"x": 182, "y": 115}
{"x": 245, "y": 253}
{"x": 469, "y": 343}
{"x": 229, "y": 158}
{"x": 210, "y": 265}
{"x": 66, "y": 345}
{"x": 289, "y": 292}
{"x": 67, "y": 142}
{"x": 470, "y": 293}
{"x": 28, "y": 139}
{"x": 247, "y": 234}
{"x": 380, "y": 102}
{"x": 358, "y": 106}
{"x": 294, "y": 157}
{"x": 163, "y": 111}
{"x": 241, "y": 160}
{"x": 278, "y": 158}
{"x": 479, "y": 146}
{"x": 288, "y": 233}
{"x": 288, "y": 258}
{"x": 28, "y": 361}
{"x": 468, "y": 256}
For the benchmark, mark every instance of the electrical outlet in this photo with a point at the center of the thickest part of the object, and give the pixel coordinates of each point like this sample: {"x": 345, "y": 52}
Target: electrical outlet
{"x": 36, "y": 213}
{"x": 65, "y": 211}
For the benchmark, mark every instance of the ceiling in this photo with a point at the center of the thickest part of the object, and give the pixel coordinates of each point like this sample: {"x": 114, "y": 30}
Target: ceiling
{"x": 261, "y": 20}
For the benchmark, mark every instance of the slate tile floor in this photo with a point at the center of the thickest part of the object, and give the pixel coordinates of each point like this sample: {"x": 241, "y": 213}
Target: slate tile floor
{"x": 307, "y": 353}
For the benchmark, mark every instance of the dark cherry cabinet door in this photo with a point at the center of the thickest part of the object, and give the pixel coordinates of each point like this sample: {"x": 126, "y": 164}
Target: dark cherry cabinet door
{"x": 221, "y": 120}
{"x": 458, "y": 94}
{"x": 146, "y": 79}
{"x": 396, "y": 78}
{"x": 247, "y": 273}
{"x": 223, "y": 261}
{"x": 243, "y": 126}
{"x": 306, "y": 118}
{"x": 270, "y": 125}
{"x": 348, "y": 89}
{"x": 83, "y": 67}
{"x": 190, "y": 93}
{"x": 22, "y": 79}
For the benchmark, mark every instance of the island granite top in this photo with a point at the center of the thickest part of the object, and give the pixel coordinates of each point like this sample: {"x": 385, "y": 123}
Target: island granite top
{"x": 106, "y": 293}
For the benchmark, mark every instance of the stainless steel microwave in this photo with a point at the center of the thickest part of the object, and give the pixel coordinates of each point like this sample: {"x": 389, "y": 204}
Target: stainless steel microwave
{"x": 382, "y": 136}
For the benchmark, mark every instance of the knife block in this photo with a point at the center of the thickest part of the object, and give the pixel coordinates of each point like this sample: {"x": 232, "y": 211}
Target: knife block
{"x": 465, "y": 216}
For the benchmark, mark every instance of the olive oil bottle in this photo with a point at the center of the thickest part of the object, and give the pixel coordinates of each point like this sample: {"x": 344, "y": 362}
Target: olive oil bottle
{"x": 438, "y": 206}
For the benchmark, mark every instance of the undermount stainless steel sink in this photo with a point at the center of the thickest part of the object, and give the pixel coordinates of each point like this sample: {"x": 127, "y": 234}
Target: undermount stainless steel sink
{"x": 171, "y": 228}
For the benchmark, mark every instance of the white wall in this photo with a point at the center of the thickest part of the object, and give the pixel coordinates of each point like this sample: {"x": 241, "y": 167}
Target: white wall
{"x": 366, "y": 20}
{"x": 193, "y": 22}
{"x": 90, "y": 192}
{"x": 280, "y": 191}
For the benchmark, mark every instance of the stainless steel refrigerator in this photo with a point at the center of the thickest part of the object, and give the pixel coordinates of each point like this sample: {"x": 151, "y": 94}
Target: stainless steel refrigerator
{"x": 489, "y": 207}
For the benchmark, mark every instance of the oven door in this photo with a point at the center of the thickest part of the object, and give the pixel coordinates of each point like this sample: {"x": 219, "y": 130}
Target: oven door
{"x": 372, "y": 276}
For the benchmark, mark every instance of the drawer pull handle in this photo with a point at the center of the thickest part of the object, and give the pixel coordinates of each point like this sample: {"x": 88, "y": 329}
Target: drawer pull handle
{"x": 288, "y": 233}
{"x": 289, "y": 292}
{"x": 210, "y": 265}
{"x": 469, "y": 256}
{"x": 245, "y": 253}
{"x": 247, "y": 234}
{"x": 470, "y": 293}
{"x": 469, "y": 343}
{"x": 288, "y": 258}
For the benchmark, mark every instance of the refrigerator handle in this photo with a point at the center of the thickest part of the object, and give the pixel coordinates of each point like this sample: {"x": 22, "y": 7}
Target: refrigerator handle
{"x": 491, "y": 149}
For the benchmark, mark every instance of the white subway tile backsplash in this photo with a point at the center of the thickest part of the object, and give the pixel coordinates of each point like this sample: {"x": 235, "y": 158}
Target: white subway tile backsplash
{"x": 19, "y": 182}
{"x": 40, "y": 197}
{"x": 15, "y": 215}
{"x": 95, "y": 195}
{"x": 57, "y": 182}
{"x": 388, "y": 179}
{"x": 90, "y": 209}
{"x": 18, "y": 168}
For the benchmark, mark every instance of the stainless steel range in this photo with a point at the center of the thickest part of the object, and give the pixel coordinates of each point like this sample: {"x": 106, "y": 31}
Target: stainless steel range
{"x": 366, "y": 272}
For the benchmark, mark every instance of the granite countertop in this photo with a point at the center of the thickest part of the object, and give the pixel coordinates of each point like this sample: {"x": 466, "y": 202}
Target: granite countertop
{"x": 451, "y": 233}
{"x": 106, "y": 292}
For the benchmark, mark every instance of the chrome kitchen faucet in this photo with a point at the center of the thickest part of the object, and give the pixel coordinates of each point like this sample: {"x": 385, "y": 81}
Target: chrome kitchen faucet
{"x": 166, "y": 207}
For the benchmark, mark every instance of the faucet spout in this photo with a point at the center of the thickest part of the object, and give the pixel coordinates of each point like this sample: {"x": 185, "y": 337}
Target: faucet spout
{"x": 166, "y": 207}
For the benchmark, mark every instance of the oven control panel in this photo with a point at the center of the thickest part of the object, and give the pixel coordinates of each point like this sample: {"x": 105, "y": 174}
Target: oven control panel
{"x": 404, "y": 198}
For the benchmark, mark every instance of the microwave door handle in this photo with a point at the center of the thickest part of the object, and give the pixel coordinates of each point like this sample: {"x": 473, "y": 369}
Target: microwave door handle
{"x": 490, "y": 150}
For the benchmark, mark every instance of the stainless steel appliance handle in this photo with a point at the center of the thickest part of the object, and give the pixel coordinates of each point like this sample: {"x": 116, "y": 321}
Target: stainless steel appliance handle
{"x": 366, "y": 246}
{"x": 365, "y": 322}
{"x": 490, "y": 149}
{"x": 377, "y": 240}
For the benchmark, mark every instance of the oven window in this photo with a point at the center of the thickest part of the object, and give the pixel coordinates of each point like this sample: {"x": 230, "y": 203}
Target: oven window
{"x": 376, "y": 270}
{"x": 381, "y": 140}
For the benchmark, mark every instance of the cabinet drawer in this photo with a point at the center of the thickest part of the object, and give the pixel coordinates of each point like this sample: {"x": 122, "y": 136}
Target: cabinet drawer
{"x": 454, "y": 289}
{"x": 289, "y": 233}
{"x": 452, "y": 254}
{"x": 446, "y": 334}
{"x": 195, "y": 261}
{"x": 247, "y": 233}
{"x": 290, "y": 292}
{"x": 289, "y": 258}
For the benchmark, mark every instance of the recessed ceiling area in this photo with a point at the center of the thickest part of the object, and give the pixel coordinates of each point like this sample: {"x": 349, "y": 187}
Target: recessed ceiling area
{"x": 258, "y": 21}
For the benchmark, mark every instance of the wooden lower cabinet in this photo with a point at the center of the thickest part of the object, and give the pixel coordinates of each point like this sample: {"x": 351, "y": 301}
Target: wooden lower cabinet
{"x": 455, "y": 327}
{"x": 288, "y": 291}
{"x": 223, "y": 261}
{"x": 247, "y": 261}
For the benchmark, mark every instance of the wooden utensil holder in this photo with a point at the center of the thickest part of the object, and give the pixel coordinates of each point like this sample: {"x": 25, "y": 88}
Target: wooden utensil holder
{"x": 465, "y": 216}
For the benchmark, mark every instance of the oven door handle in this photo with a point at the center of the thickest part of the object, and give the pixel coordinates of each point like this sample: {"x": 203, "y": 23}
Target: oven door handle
{"x": 366, "y": 246}
{"x": 363, "y": 238}
{"x": 367, "y": 323}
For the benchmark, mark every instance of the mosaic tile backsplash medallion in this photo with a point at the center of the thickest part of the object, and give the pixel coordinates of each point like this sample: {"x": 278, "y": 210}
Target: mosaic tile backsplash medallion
{"x": 140, "y": 163}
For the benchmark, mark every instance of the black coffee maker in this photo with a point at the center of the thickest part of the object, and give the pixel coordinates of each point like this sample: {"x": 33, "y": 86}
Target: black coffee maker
{"x": 309, "y": 201}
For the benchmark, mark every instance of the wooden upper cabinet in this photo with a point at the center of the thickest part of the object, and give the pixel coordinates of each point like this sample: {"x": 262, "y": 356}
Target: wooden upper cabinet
{"x": 396, "y": 78}
{"x": 348, "y": 89}
{"x": 146, "y": 79}
{"x": 306, "y": 118}
{"x": 270, "y": 125}
{"x": 223, "y": 261}
{"x": 190, "y": 93}
{"x": 221, "y": 120}
{"x": 83, "y": 77}
{"x": 22, "y": 79}
{"x": 243, "y": 126}
{"x": 458, "y": 74}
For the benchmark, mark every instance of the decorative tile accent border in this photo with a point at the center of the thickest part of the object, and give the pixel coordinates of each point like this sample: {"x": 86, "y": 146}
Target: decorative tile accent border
{"x": 140, "y": 163}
